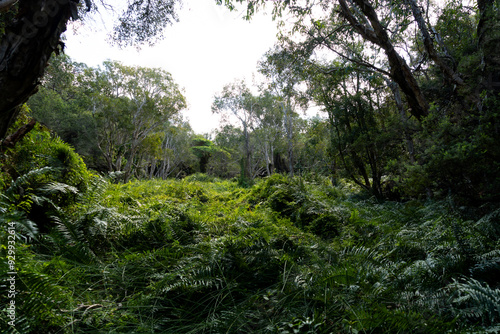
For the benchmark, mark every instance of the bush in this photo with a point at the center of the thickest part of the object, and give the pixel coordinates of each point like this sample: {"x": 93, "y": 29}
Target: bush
{"x": 61, "y": 177}
{"x": 295, "y": 199}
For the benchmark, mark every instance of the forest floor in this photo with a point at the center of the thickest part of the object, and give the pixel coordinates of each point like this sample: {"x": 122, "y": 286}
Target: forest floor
{"x": 287, "y": 255}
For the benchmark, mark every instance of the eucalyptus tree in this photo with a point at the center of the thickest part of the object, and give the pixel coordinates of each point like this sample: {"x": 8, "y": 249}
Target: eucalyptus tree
{"x": 398, "y": 39}
{"x": 129, "y": 104}
{"x": 62, "y": 104}
{"x": 437, "y": 63}
{"x": 237, "y": 101}
{"x": 271, "y": 130}
{"x": 30, "y": 32}
{"x": 362, "y": 131}
{"x": 283, "y": 76}
{"x": 167, "y": 151}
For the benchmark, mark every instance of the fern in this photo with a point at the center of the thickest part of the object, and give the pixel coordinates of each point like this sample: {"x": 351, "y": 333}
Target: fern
{"x": 71, "y": 241}
{"x": 25, "y": 229}
{"x": 39, "y": 301}
{"x": 476, "y": 300}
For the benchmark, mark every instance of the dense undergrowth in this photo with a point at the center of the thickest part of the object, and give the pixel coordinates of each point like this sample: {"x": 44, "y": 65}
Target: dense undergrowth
{"x": 204, "y": 255}
{"x": 289, "y": 255}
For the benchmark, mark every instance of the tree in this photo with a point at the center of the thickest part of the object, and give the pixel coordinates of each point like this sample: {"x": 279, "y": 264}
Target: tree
{"x": 62, "y": 105}
{"x": 270, "y": 130}
{"x": 130, "y": 103}
{"x": 203, "y": 150}
{"x": 31, "y": 32}
{"x": 438, "y": 74}
{"x": 314, "y": 154}
{"x": 397, "y": 39}
{"x": 229, "y": 139}
{"x": 362, "y": 125}
{"x": 167, "y": 152}
{"x": 236, "y": 100}
{"x": 280, "y": 68}
{"x": 110, "y": 114}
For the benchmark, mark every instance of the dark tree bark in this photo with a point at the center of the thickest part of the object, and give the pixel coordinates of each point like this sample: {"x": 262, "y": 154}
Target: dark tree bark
{"x": 400, "y": 72}
{"x": 12, "y": 140}
{"x": 488, "y": 31}
{"x": 25, "y": 49}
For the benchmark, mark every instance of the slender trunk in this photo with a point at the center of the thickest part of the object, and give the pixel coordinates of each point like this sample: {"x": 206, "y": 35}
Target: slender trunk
{"x": 399, "y": 104}
{"x": 289, "y": 135}
{"x": 130, "y": 160}
{"x": 429, "y": 45}
{"x": 271, "y": 155}
{"x": 400, "y": 72}
{"x": 247, "y": 166}
{"x": 341, "y": 152}
{"x": 266, "y": 153}
{"x": 152, "y": 168}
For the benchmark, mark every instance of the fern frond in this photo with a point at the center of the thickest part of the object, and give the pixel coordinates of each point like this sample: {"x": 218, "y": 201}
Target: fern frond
{"x": 25, "y": 228}
{"x": 475, "y": 299}
{"x": 56, "y": 188}
{"x": 489, "y": 225}
{"x": 40, "y": 300}
{"x": 72, "y": 241}
{"x": 25, "y": 179}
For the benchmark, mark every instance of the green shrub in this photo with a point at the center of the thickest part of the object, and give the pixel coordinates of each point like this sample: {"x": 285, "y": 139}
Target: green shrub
{"x": 44, "y": 176}
{"x": 297, "y": 199}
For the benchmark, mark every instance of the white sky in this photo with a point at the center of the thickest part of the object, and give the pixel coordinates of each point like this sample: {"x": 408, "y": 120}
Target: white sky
{"x": 208, "y": 48}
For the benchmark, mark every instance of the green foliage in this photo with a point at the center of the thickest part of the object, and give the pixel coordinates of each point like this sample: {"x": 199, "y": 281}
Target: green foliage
{"x": 475, "y": 300}
{"x": 120, "y": 118}
{"x": 205, "y": 255}
{"x": 47, "y": 177}
{"x": 290, "y": 198}
{"x": 202, "y": 254}
{"x": 40, "y": 149}
{"x": 282, "y": 254}
{"x": 143, "y": 21}
{"x": 204, "y": 149}
{"x": 460, "y": 158}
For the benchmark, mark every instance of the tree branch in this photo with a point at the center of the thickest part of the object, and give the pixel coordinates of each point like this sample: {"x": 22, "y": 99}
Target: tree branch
{"x": 11, "y": 140}
{"x": 429, "y": 44}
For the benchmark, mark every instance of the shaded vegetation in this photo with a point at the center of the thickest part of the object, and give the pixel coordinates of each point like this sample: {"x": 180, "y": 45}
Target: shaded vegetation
{"x": 203, "y": 255}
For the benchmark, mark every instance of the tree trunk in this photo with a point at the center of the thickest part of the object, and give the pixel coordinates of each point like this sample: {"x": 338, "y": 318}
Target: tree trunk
{"x": 247, "y": 171}
{"x": 488, "y": 31}
{"x": 11, "y": 140}
{"x": 268, "y": 160}
{"x": 25, "y": 49}
{"x": 402, "y": 114}
{"x": 130, "y": 162}
{"x": 429, "y": 45}
{"x": 289, "y": 135}
{"x": 400, "y": 72}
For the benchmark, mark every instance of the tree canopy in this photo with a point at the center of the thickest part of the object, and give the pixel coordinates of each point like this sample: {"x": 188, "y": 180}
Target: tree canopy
{"x": 30, "y": 32}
